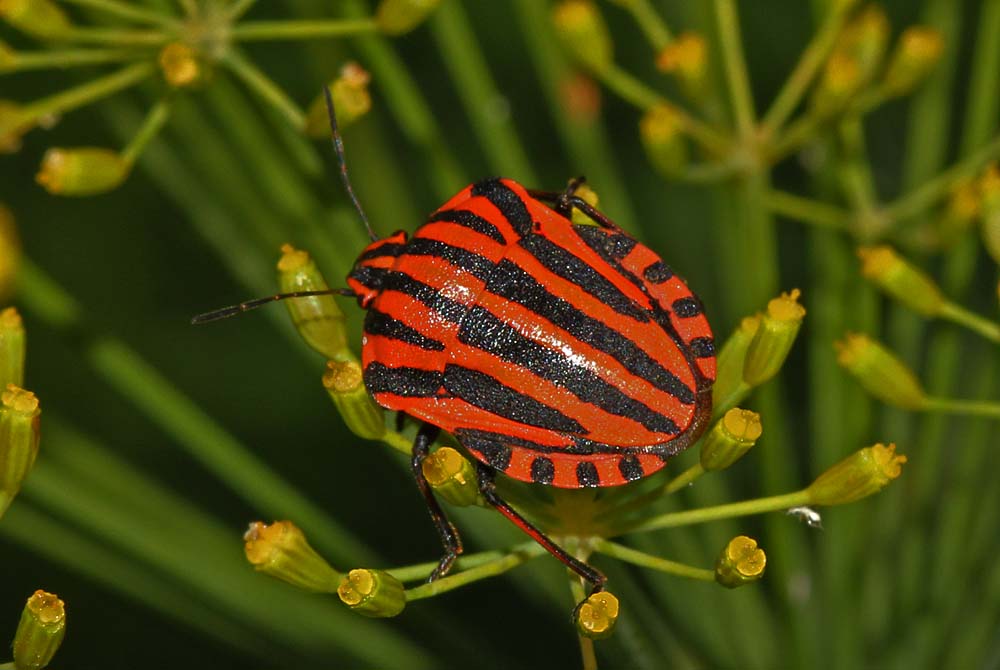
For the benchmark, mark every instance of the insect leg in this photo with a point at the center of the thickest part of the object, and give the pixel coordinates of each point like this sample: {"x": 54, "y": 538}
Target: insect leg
{"x": 590, "y": 574}
{"x": 449, "y": 534}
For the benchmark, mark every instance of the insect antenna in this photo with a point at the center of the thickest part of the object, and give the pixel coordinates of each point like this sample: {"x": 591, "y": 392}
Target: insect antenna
{"x": 233, "y": 310}
{"x": 338, "y": 147}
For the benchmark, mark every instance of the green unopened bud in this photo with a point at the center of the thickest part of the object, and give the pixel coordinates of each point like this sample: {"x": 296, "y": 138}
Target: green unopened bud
{"x": 740, "y": 563}
{"x": 901, "y": 280}
{"x": 880, "y": 372}
{"x": 281, "y": 550}
{"x": 8, "y": 57}
{"x": 842, "y": 78}
{"x": 732, "y": 359}
{"x": 40, "y": 631}
{"x": 12, "y": 126}
{"x": 343, "y": 381}
{"x": 989, "y": 191}
{"x": 918, "y": 50}
{"x": 351, "y": 99}
{"x": 452, "y": 476}
{"x": 582, "y": 31}
{"x": 180, "y": 65}
{"x": 864, "y": 39}
{"x": 395, "y": 17}
{"x": 588, "y": 195}
{"x": 82, "y": 171}
{"x": 779, "y": 326}
{"x": 597, "y": 615}
{"x": 318, "y": 319}
{"x": 19, "y": 434}
{"x": 731, "y": 437}
{"x": 12, "y": 345}
{"x": 39, "y": 18}
{"x": 373, "y": 593}
{"x": 858, "y": 476}
{"x": 663, "y": 139}
{"x": 686, "y": 58}
{"x": 960, "y": 213}
{"x": 10, "y": 252}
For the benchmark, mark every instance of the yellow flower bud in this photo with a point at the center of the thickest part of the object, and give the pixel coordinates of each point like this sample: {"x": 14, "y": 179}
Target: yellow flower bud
{"x": 281, "y": 550}
{"x": 82, "y": 171}
{"x": 880, "y": 372}
{"x": 732, "y": 359}
{"x": 686, "y": 58}
{"x": 960, "y": 212}
{"x": 858, "y": 476}
{"x": 842, "y": 78}
{"x": 582, "y": 30}
{"x": 864, "y": 40}
{"x": 663, "y": 139}
{"x": 10, "y": 252}
{"x": 180, "y": 65}
{"x": 901, "y": 280}
{"x": 740, "y": 563}
{"x": 452, "y": 476}
{"x": 351, "y": 100}
{"x": 731, "y": 437}
{"x": 779, "y": 326}
{"x": 589, "y": 196}
{"x": 918, "y": 50}
{"x": 19, "y": 434}
{"x": 343, "y": 381}
{"x": 39, "y": 18}
{"x": 581, "y": 97}
{"x": 7, "y": 57}
{"x": 373, "y": 593}
{"x": 395, "y": 17}
{"x": 597, "y": 615}
{"x": 40, "y": 631}
{"x": 12, "y": 345}
{"x": 12, "y": 126}
{"x": 989, "y": 190}
{"x": 318, "y": 318}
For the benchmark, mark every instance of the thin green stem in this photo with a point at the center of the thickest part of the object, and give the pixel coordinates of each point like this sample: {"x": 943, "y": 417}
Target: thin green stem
{"x": 798, "y": 133}
{"x": 642, "y": 559}
{"x": 465, "y": 562}
{"x": 735, "y": 66}
{"x": 239, "y": 8}
{"x": 806, "y": 210}
{"x": 965, "y": 407}
{"x": 129, "y": 11}
{"x": 684, "y": 479}
{"x": 731, "y": 510}
{"x": 709, "y": 173}
{"x": 722, "y": 405}
{"x": 650, "y": 23}
{"x": 116, "y": 36}
{"x": 491, "y": 568}
{"x": 151, "y": 125}
{"x": 810, "y": 62}
{"x": 65, "y": 58}
{"x": 301, "y": 30}
{"x": 261, "y": 84}
{"x": 939, "y": 187}
{"x": 587, "y": 654}
{"x": 986, "y": 327}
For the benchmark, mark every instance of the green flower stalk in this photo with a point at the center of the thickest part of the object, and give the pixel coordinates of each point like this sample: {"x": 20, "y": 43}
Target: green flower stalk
{"x": 730, "y": 439}
{"x": 863, "y": 473}
{"x": 350, "y": 96}
{"x": 396, "y": 17}
{"x": 343, "y": 381}
{"x": 372, "y": 593}
{"x": 82, "y": 171}
{"x": 989, "y": 192}
{"x": 40, "y": 631}
{"x": 583, "y": 33}
{"x": 880, "y": 372}
{"x": 12, "y": 348}
{"x": 42, "y": 19}
{"x": 19, "y": 434}
{"x": 282, "y": 551}
{"x": 663, "y": 139}
{"x": 740, "y": 563}
{"x": 597, "y": 615}
{"x": 686, "y": 59}
{"x": 452, "y": 476}
{"x": 318, "y": 318}
{"x": 779, "y": 326}
{"x": 918, "y": 50}
{"x": 10, "y": 252}
{"x": 732, "y": 359}
{"x": 901, "y": 280}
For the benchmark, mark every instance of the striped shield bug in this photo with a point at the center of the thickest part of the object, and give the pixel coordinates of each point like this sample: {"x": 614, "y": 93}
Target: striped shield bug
{"x": 560, "y": 354}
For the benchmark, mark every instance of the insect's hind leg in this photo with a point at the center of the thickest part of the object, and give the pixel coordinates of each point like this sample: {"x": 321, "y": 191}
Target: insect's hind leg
{"x": 450, "y": 538}
{"x": 487, "y": 487}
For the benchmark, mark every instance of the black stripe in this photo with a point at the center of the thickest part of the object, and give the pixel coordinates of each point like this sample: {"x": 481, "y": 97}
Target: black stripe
{"x": 380, "y": 323}
{"x": 631, "y": 468}
{"x": 411, "y": 382}
{"x": 511, "y": 282}
{"x": 658, "y": 272}
{"x": 563, "y": 263}
{"x": 619, "y": 245}
{"x": 476, "y": 265}
{"x": 449, "y": 309}
{"x": 686, "y": 307}
{"x": 543, "y": 471}
{"x": 471, "y": 221}
{"x": 702, "y": 347}
{"x": 496, "y": 454}
{"x": 580, "y": 446}
{"x": 387, "y": 249}
{"x": 480, "y": 389}
{"x": 607, "y": 245}
{"x": 586, "y": 474}
{"x": 508, "y": 202}
{"x": 484, "y": 330}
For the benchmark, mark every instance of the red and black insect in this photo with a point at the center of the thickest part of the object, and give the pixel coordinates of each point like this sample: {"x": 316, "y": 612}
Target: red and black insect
{"x": 559, "y": 354}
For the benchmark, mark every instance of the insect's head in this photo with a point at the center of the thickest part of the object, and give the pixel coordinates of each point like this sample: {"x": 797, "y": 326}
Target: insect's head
{"x": 372, "y": 266}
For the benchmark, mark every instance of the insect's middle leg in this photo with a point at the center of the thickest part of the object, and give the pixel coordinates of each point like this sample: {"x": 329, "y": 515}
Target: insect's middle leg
{"x": 449, "y": 534}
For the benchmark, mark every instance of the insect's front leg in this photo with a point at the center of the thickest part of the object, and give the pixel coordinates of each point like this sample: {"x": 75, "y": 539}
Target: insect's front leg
{"x": 449, "y": 534}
